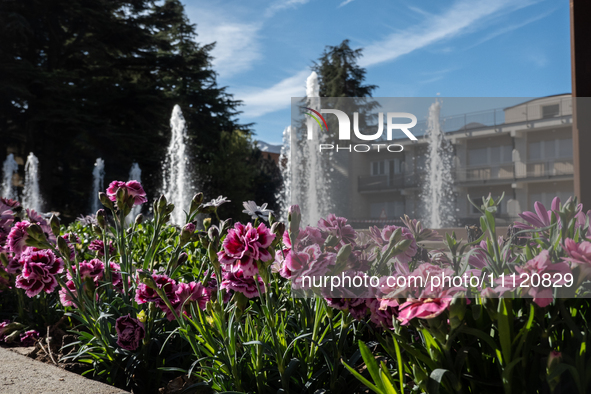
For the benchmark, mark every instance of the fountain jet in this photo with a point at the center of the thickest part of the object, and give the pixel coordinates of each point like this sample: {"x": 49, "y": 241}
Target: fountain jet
{"x": 98, "y": 184}
{"x": 177, "y": 184}
{"x": 31, "y": 194}
{"x": 9, "y": 168}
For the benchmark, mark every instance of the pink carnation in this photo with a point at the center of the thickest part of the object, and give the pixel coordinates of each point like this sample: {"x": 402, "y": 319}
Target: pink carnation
{"x": 40, "y": 268}
{"x": 337, "y": 226}
{"x": 246, "y": 285}
{"x": 134, "y": 189}
{"x": 244, "y": 246}
{"x": 99, "y": 246}
{"x": 542, "y": 267}
{"x": 17, "y": 237}
{"x": 423, "y": 308}
{"x": 89, "y": 269}
{"x": 382, "y": 238}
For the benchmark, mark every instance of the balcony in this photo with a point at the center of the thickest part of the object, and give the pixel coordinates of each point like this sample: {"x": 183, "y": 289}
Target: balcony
{"x": 544, "y": 168}
{"x": 387, "y": 182}
{"x": 509, "y": 172}
{"x": 498, "y": 172}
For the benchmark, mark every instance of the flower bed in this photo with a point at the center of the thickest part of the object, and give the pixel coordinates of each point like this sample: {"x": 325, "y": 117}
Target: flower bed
{"x": 253, "y": 307}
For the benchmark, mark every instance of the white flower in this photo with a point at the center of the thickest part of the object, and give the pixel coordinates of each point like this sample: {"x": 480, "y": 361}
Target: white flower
{"x": 255, "y": 211}
{"x": 216, "y": 202}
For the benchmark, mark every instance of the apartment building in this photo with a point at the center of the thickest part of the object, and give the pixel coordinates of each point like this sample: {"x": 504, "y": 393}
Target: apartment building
{"x": 524, "y": 151}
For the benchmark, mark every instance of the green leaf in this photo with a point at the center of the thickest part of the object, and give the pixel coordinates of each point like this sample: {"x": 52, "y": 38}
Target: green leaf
{"x": 362, "y": 379}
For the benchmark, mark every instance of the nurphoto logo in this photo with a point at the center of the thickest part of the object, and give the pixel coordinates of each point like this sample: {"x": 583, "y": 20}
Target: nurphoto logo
{"x": 344, "y": 132}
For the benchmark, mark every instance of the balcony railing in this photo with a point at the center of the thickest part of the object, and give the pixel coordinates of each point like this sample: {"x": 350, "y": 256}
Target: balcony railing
{"x": 515, "y": 171}
{"x": 481, "y": 173}
{"x": 387, "y": 182}
{"x": 545, "y": 168}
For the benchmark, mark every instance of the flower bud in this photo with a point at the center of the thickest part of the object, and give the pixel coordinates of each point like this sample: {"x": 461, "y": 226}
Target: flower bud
{"x": 104, "y": 199}
{"x": 344, "y": 253}
{"x": 403, "y": 245}
{"x": 213, "y": 257}
{"x": 63, "y": 247}
{"x": 395, "y": 237}
{"x": 294, "y": 216}
{"x": 142, "y": 317}
{"x": 97, "y": 230}
{"x": 36, "y": 232}
{"x": 146, "y": 278}
{"x": 331, "y": 240}
{"x": 162, "y": 203}
{"x": 183, "y": 257}
{"x": 139, "y": 219}
{"x": 278, "y": 228}
{"x": 101, "y": 218}
{"x": 213, "y": 233}
{"x": 187, "y": 232}
{"x": 206, "y": 223}
{"x": 195, "y": 203}
{"x": 54, "y": 223}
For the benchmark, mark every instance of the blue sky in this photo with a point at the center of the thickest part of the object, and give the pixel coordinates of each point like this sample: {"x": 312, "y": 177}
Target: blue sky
{"x": 427, "y": 48}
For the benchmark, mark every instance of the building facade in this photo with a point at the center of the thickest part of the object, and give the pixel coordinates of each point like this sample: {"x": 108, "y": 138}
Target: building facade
{"x": 524, "y": 152}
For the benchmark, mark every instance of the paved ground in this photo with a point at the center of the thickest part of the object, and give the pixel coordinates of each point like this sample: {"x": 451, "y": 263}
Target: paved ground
{"x": 22, "y": 375}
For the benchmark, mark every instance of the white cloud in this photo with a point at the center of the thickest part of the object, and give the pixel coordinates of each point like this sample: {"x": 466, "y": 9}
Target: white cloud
{"x": 283, "y": 5}
{"x": 464, "y": 16}
{"x": 508, "y": 29}
{"x": 263, "y": 101}
{"x": 237, "y": 43}
{"x": 455, "y": 21}
{"x": 237, "y": 46}
{"x": 344, "y": 3}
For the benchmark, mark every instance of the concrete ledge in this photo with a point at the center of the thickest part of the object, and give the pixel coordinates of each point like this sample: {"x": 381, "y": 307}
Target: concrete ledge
{"x": 22, "y": 375}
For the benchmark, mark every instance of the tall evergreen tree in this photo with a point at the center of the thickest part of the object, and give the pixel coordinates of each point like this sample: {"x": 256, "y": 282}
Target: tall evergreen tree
{"x": 87, "y": 79}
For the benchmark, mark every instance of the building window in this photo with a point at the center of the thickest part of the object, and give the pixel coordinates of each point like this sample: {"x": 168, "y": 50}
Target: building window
{"x": 378, "y": 168}
{"x": 550, "y": 111}
{"x": 490, "y": 155}
{"x": 551, "y": 149}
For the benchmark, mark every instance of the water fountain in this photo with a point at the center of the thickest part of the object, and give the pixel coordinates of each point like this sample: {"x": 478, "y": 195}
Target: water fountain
{"x": 31, "y": 194}
{"x": 284, "y": 196}
{"x": 177, "y": 184}
{"x": 9, "y": 168}
{"x": 438, "y": 196}
{"x": 304, "y": 174}
{"x": 135, "y": 174}
{"x": 98, "y": 184}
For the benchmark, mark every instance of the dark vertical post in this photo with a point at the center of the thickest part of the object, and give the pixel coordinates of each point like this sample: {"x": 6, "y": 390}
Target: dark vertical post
{"x": 580, "y": 33}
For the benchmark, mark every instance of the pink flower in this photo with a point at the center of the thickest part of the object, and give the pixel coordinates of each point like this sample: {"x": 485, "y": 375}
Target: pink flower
{"x": 65, "y": 297}
{"x": 542, "y": 268}
{"x": 145, "y": 293}
{"x": 99, "y": 246}
{"x": 541, "y": 217}
{"x": 29, "y": 337}
{"x": 134, "y": 189}
{"x": 382, "y": 238}
{"x": 382, "y": 316}
{"x": 130, "y": 332}
{"x": 337, "y": 226}
{"x": 40, "y": 268}
{"x": 242, "y": 283}
{"x": 422, "y": 308}
{"x": 17, "y": 237}
{"x": 185, "y": 294}
{"x": 14, "y": 266}
{"x": 580, "y": 255}
{"x": 89, "y": 269}
{"x": 243, "y": 246}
